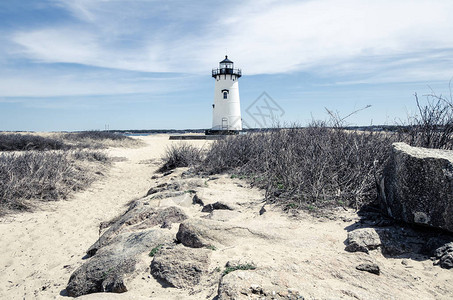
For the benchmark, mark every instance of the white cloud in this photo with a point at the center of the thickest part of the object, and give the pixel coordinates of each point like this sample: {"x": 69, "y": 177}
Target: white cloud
{"x": 301, "y": 36}
{"x": 325, "y": 37}
{"x": 66, "y": 82}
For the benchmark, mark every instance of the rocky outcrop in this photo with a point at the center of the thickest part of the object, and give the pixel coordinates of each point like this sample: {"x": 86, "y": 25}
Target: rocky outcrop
{"x": 179, "y": 266}
{"x": 417, "y": 186}
{"x": 105, "y": 272}
{"x": 252, "y": 285}
{"x": 202, "y": 233}
{"x": 139, "y": 216}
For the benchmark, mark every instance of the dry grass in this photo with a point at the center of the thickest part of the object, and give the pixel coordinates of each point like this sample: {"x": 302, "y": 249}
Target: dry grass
{"x": 23, "y": 142}
{"x": 33, "y": 176}
{"x": 37, "y": 168}
{"x": 324, "y": 165}
{"x": 99, "y": 140}
{"x": 182, "y": 155}
{"x": 305, "y": 167}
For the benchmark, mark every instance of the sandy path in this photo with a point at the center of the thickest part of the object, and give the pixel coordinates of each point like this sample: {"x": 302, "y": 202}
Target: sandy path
{"x": 40, "y": 250}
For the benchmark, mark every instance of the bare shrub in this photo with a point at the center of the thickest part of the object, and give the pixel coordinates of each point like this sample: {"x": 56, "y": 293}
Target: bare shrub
{"x": 44, "y": 176}
{"x": 23, "y": 142}
{"x": 433, "y": 126}
{"x": 180, "y": 155}
{"x": 307, "y": 167}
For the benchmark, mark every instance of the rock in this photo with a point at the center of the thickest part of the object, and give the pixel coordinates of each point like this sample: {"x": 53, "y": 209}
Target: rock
{"x": 105, "y": 271}
{"x": 262, "y": 210}
{"x": 362, "y": 240}
{"x": 371, "y": 268}
{"x": 157, "y": 189}
{"x": 214, "y": 206}
{"x": 138, "y": 217}
{"x": 392, "y": 240}
{"x": 445, "y": 255}
{"x": 197, "y": 200}
{"x": 199, "y": 233}
{"x": 167, "y": 173}
{"x": 417, "y": 186}
{"x": 195, "y": 233}
{"x": 252, "y": 285}
{"x": 104, "y": 274}
{"x": 179, "y": 266}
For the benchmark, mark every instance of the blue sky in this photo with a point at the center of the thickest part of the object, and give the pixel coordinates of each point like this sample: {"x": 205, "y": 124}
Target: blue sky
{"x": 146, "y": 64}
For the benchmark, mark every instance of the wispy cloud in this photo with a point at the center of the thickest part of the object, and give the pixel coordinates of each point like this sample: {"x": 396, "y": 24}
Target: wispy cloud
{"x": 266, "y": 37}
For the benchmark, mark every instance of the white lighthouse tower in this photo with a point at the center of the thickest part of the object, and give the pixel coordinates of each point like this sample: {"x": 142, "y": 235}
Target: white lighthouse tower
{"x": 226, "y": 110}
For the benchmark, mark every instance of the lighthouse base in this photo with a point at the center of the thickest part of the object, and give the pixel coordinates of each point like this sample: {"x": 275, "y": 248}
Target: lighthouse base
{"x": 221, "y": 132}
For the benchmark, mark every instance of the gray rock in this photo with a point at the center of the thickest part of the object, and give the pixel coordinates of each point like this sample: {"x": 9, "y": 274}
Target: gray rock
{"x": 370, "y": 268}
{"x": 105, "y": 271}
{"x": 139, "y": 217}
{"x": 179, "y": 266}
{"x": 157, "y": 189}
{"x": 417, "y": 186}
{"x": 262, "y": 210}
{"x": 214, "y": 206}
{"x": 240, "y": 285}
{"x": 199, "y": 233}
{"x": 103, "y": 274}
{"x": 362, "y": 240}
{"x": 444, "y": 254}
{"x": 195, "y": 233}
{"x": 197, "y": 200}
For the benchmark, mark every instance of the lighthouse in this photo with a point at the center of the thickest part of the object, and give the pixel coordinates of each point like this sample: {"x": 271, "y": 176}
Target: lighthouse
{"x": 226, "y": 110}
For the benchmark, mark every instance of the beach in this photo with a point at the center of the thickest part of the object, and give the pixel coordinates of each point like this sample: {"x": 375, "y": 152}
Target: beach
{"x": 292, "y": 250}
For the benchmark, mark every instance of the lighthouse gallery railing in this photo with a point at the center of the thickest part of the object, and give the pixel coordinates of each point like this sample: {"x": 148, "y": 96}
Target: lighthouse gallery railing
{"x": 226, "y": 71}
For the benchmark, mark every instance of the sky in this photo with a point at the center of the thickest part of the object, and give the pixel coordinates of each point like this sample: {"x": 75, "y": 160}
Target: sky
{"x": 68, "y": 65}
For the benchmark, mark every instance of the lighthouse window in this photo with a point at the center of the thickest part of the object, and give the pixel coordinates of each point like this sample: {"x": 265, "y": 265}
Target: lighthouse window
{"x": 225, "y": 95}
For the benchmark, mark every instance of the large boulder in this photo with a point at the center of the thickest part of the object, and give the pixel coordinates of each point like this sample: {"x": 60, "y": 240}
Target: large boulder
{"x": 179, "y": 266}
{"x": 105, "y": 272}
{"x": 139, "y": 216}
{"x": 417, "y": 186}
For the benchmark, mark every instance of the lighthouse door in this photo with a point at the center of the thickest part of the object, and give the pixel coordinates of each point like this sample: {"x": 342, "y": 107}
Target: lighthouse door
{"x": 224, "y": 124}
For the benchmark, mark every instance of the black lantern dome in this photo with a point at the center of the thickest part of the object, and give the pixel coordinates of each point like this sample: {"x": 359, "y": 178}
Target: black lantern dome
{"x": 226, "y": 66}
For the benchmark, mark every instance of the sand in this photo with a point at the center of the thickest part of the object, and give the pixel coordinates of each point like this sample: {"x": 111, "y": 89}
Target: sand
{"x": 40, "y": 250}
